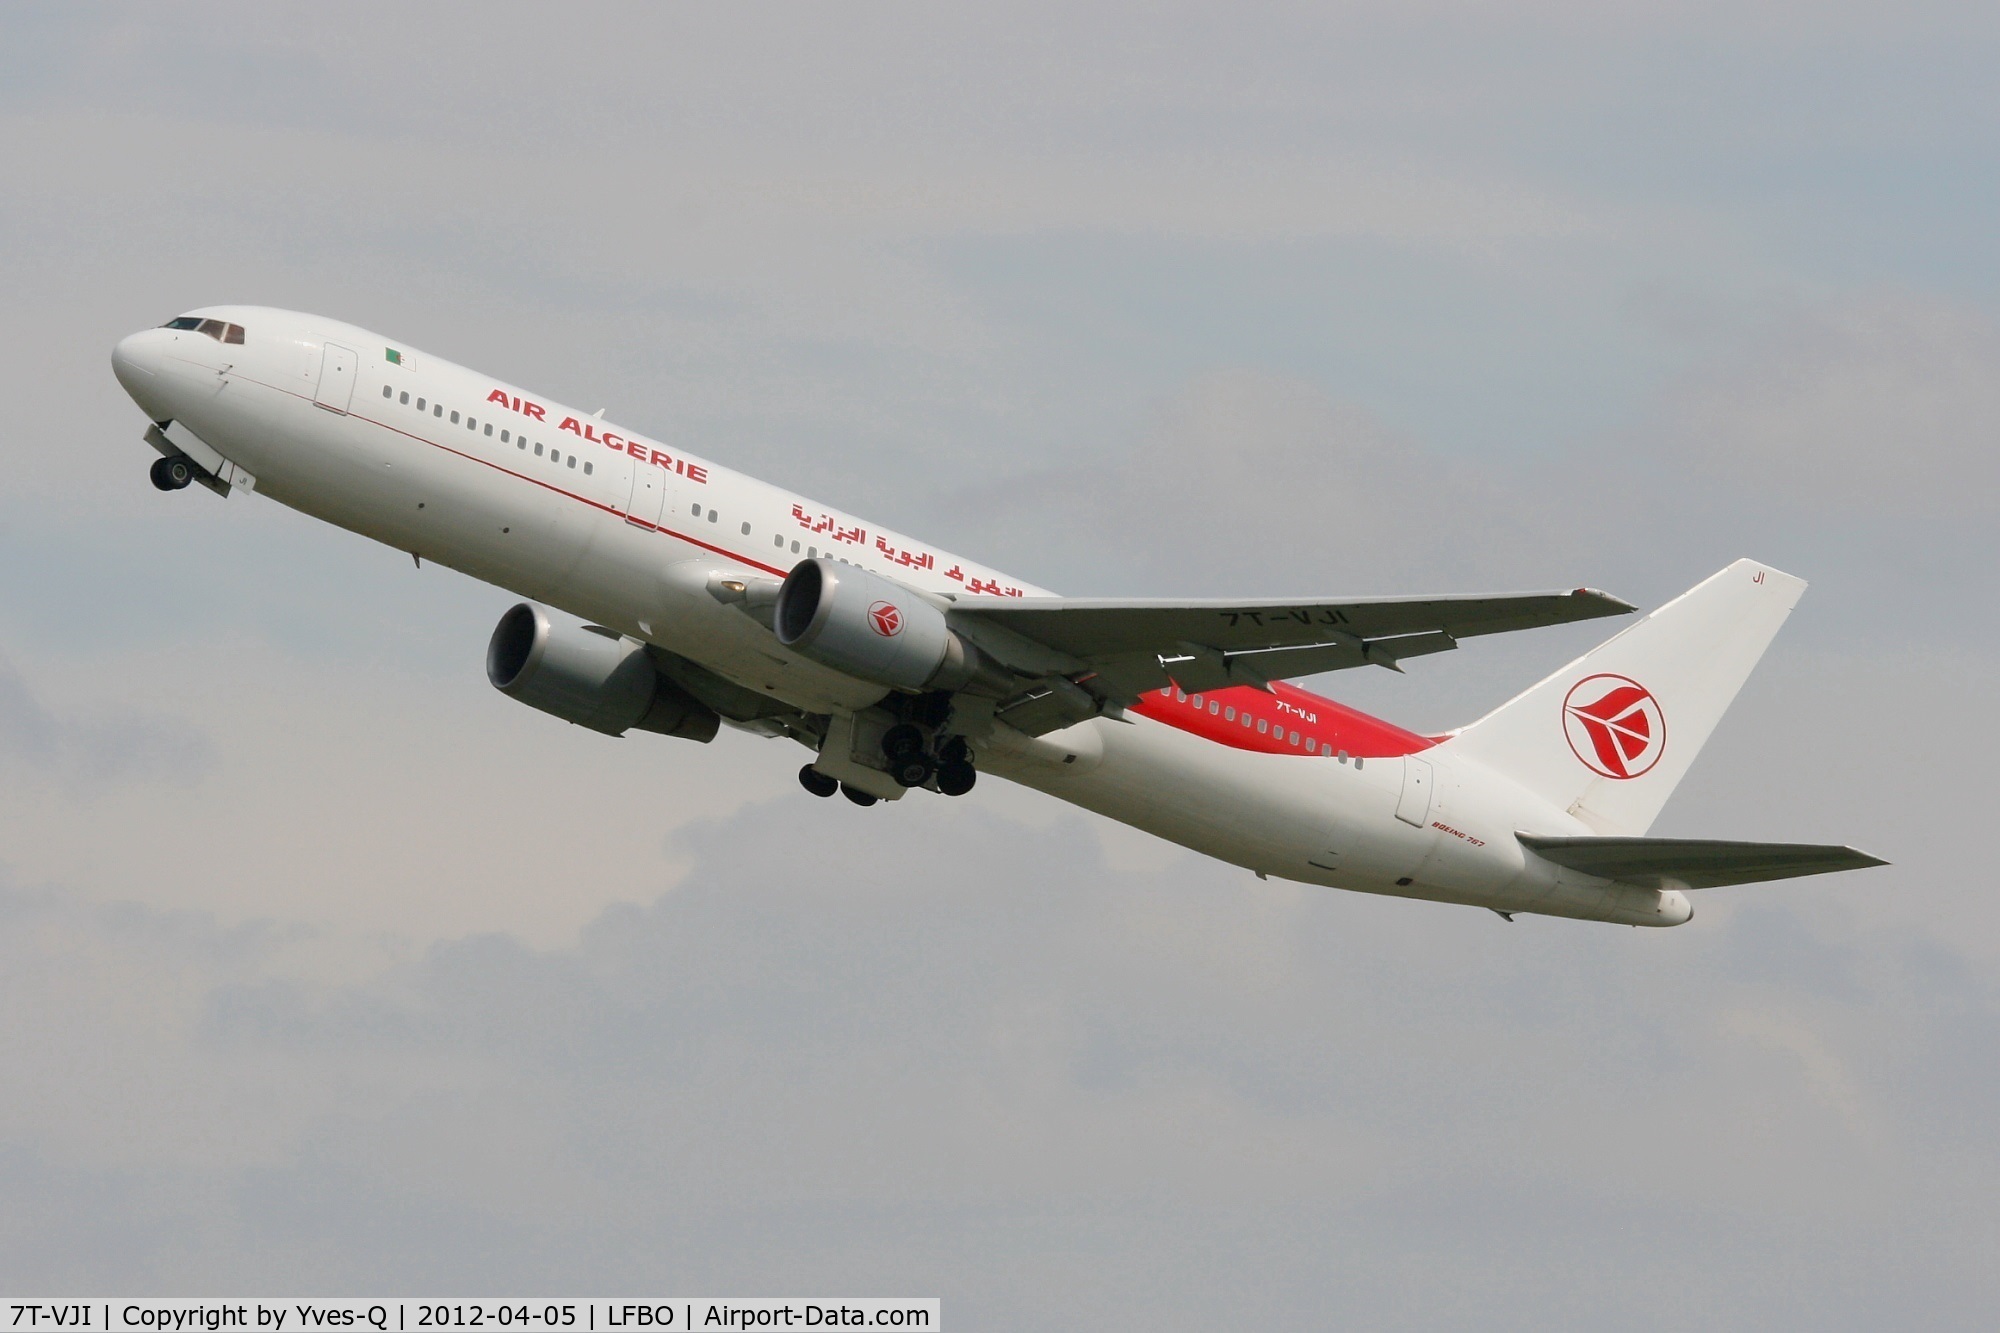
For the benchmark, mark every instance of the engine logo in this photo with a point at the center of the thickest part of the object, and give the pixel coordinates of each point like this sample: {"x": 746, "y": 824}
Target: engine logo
{"x": 886, "y": 619}
{"x": 1614, "y": 725}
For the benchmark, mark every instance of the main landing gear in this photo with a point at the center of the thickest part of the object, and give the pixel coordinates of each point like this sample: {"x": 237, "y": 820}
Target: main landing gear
{"x": 172, "y": 473}
{"x": 913, "y": 765}
{"x": 819, "y": 784}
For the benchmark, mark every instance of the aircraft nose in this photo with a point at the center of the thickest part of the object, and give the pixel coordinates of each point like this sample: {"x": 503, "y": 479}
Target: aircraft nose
{"x": 136, "y": 363}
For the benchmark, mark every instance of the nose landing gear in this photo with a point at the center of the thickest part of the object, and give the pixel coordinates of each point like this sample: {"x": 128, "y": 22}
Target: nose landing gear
{"x": 172, "y": 473}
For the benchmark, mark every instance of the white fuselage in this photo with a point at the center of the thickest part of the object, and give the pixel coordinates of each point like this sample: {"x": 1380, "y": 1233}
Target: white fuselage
{"x": 630, "y": 533}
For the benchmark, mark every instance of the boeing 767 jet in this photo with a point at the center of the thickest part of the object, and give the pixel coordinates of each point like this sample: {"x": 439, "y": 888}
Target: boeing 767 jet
{"x": 667, "y": 593}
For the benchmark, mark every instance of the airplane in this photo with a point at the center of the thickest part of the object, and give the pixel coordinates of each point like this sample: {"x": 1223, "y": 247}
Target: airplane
{"x": 667, "y": 593}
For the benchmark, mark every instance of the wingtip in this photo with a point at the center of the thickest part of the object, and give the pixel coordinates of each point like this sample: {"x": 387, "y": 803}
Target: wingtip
{"x": 1609, "y": 605}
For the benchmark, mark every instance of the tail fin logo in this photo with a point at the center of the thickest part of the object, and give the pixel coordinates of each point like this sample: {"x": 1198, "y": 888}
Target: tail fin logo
{"x": 1614, "y": 725}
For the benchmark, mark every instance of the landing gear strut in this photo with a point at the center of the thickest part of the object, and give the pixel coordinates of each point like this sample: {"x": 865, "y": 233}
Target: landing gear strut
{"x": 172, "y": 473}
{"x": 956, "y": 774}
{"x": 913, "y": 765}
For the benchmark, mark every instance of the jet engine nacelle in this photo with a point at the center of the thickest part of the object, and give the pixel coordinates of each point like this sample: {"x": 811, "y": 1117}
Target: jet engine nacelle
{"x": 877, "y": 630}
{"x": 590, "y": 676}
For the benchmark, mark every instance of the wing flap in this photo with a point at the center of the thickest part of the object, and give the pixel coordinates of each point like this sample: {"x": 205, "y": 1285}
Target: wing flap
{"x": 1695, "y": 863}
{"x": 1090, "y": 628}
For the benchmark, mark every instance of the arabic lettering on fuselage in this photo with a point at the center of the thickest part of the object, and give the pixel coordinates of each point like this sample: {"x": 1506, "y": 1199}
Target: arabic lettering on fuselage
{"x": 826, "y": 525}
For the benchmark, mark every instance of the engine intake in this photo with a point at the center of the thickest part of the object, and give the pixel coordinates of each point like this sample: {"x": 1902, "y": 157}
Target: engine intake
{"x": 590, "y": 676}
{"x": 877, "y": 630}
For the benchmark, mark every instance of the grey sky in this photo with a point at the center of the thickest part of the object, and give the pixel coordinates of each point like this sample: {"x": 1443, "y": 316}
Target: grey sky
{"x": 326, "y": 968}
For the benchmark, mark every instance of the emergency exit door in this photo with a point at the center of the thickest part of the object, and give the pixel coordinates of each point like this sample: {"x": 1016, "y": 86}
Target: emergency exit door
{"x": 1414, "y": 805}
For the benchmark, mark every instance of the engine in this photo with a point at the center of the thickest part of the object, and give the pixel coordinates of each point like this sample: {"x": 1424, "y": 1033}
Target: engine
{"x": 590, "y": 676}
{"x": 878, "y": 630}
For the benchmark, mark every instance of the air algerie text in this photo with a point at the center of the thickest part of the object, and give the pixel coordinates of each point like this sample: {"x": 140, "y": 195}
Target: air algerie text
{"x": 639, "y": 449}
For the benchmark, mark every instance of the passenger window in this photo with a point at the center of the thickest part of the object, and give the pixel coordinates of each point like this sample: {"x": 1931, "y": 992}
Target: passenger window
{"x": 420, "y": 404}
{"x": 795, "y": 548}
{"x": 489, "y": 428}
{"x": 1312, "y": 746}
{"x": 1196, "y": 701}
{"x": 506, "y": 438}
{"x": 470, "y": 424}
{"x": 711, "y": 516}
{"x": 1214, "y": 708}
{"x": 1229, "y": 713}
{"x": 1246, "y": 719}
{"x": 1180, "y": 696}
{"x": 695, "y": 510}
{"x": 778, "y": 540}
{"x": 746, "y": 529}
{"x": 454, "y": 418}
{"x": 1262, "y": 725}
{"x": 555, "y": 455}
{"x": 437, "y": 410}
{"x": 387, "y": 390}
{"x": 538, "y": 451}
{"x": 570, "y": 461}
{"x": 1295, "y": 738}
{"x": 521, "y": 442}
{"x": 406, "y": 399}
{"x": 588, "y": 468}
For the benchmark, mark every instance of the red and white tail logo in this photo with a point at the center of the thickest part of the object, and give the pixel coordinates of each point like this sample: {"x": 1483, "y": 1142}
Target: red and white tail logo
{"x": 885, "y": 619}
{"x": 1614, "y": 725}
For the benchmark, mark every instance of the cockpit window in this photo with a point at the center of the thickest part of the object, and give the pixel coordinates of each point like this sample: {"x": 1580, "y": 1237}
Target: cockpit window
{"x": 214, "y": 328}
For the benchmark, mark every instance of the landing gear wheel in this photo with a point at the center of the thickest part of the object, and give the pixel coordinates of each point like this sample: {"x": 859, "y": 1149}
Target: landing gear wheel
{"x": 902, "y": 741}
{"x": 956, "y": 779}
{"x": 816, "y": 782}
{"x": 913, "y": 771}
{"x": 954, "y": 751}
{"x": 172, "y": 474}
{"x": 858, "y": 796}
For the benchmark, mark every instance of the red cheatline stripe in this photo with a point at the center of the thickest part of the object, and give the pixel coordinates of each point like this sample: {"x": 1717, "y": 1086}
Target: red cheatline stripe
{"x": 580, "y": 499}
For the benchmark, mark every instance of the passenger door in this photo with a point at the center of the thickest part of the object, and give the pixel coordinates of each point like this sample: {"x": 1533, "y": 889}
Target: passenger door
{"x": 336, "y": 378}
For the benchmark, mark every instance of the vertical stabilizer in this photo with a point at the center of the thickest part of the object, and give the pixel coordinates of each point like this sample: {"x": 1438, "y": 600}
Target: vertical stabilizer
{"x": 1609, "y": 736}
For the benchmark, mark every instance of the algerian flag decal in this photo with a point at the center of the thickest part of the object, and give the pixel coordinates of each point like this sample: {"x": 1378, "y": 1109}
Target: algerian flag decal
{"x": 395, "y": 357}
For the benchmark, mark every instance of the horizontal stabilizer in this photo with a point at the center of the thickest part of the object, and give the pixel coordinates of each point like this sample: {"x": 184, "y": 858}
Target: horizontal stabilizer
{"x": 1694, "y": 863}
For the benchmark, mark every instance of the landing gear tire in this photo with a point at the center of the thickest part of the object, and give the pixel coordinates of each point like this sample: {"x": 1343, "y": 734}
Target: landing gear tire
{"x": 902, "y": 741}
{"x": 913, "y": 771}
{"x": 956, "y": 779}
{"x": 858, "y": 796}
{"x": 954, "y": 751}
{"x": 172, "y": 474}
{"x": 816, "y": 782}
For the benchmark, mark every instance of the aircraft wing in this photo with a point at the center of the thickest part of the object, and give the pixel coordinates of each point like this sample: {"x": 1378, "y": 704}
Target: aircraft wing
{"x": 1136, "y": 645}
{"x": 1696, "y": 863}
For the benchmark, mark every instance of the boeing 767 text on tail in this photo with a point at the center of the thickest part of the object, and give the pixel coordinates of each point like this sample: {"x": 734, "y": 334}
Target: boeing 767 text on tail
{"x": 670, "y": 594}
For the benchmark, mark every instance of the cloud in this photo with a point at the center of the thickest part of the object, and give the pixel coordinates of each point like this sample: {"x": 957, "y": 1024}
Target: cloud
{"x": 815, "y": 1063}
{"x": 1876, "y": 405}
{"x": 79, "y": 754}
